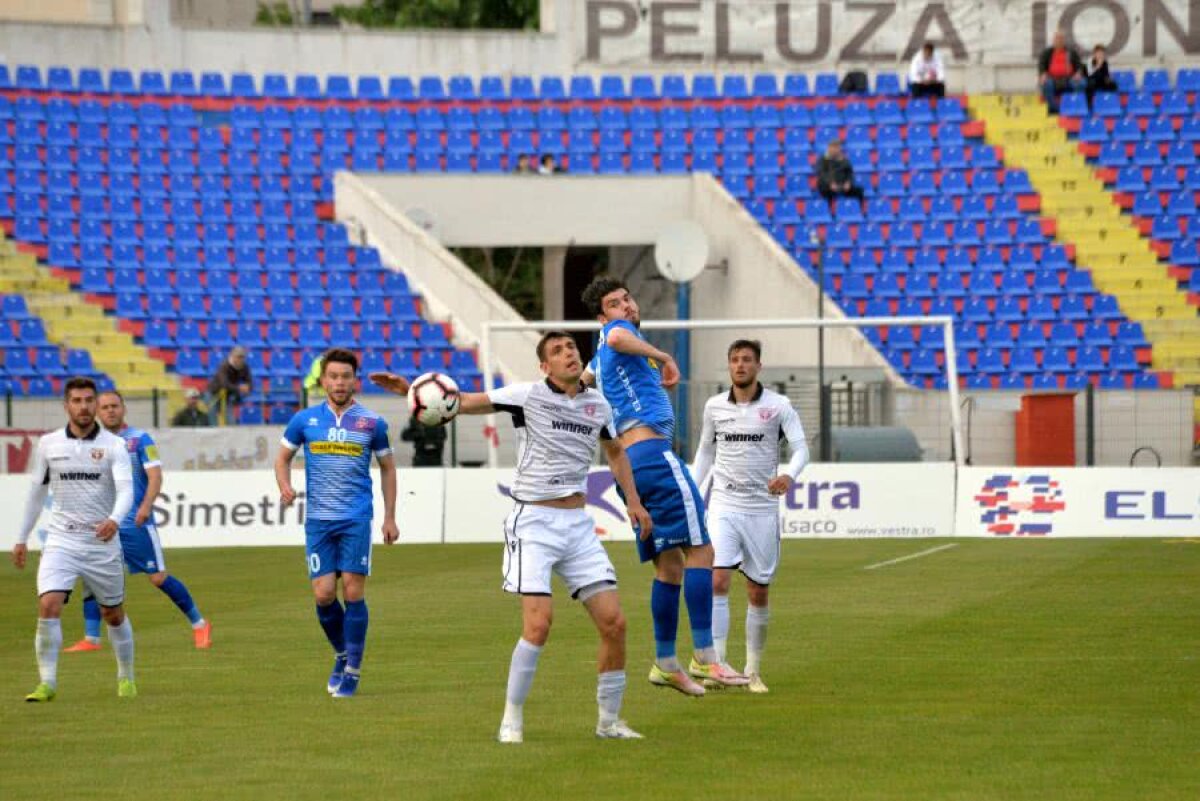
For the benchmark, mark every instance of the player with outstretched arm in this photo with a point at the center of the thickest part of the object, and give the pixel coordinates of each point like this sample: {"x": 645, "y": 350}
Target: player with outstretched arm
{"x": 558, "y": 421}
{"x": 626, "y": 369}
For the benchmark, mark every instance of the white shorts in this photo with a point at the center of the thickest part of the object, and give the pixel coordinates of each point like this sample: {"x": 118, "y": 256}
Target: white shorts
{"x": 746, "y": 541}
{"x": 102, "y": 574}
{"x": 539, "y": 541}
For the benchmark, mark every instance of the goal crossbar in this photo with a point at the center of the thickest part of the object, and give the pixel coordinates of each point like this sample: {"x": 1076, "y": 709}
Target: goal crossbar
{"x": 946, "y": 323}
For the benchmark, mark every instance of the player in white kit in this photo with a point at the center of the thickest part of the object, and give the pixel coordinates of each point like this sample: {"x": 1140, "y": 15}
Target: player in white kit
{"x": 87, "y": 471}
{"x": 558, "y": 421}
{"x": 739, "y": 449}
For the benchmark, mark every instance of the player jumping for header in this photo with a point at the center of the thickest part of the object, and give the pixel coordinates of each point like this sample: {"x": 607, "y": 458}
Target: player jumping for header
{"x": 626, "y": 369}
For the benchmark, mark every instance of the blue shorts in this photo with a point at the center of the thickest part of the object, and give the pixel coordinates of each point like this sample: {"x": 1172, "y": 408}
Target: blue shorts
{"x": 343, "y": 546}
{"x": 670, "y": 496}
{"x": 140, "y": 549}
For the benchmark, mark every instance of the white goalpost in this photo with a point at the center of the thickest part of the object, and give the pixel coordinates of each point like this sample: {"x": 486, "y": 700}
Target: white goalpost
{"x": 946, "y": 324}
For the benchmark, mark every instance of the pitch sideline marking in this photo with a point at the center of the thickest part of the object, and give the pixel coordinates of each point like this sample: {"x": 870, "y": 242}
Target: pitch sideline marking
{"x": 916, "y": 555}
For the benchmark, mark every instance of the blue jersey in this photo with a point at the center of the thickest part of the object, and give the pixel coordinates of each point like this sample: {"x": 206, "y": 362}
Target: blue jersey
{"x": 143, "y": 453}
{"x": 337, "y": 459}
{"x": 632, "y": 386}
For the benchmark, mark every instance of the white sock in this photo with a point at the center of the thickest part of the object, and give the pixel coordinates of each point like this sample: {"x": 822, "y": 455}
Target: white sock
{"x": 520, "y": 679}
{"x": 121, "y": 638}
{"x": 757, "y": 618}
{"x": 46, "y": 645}
{"x": 720, "y": 625}
{"x": 610, "y": 689}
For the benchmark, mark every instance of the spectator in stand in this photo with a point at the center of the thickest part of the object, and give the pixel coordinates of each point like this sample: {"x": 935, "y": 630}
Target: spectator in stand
{"x": 191, "y": 415}
{"x": 228, "y": 387}
{"x": 1059, "y": 71}
{"x": 523, "y": 165}
{"x": 1098, "y": 79}
{"x": 548, "y": 165}
{"x": 835, "y": 175}
{"x": 927, "y": 74}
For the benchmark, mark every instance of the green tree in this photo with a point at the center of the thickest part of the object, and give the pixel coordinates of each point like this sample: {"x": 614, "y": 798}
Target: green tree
{"x": 494, "y": 14}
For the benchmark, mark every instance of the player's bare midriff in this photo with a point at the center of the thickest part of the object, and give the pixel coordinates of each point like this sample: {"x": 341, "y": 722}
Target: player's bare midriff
{"x": 638, "y": 434}
{"x": 576, "y": 501}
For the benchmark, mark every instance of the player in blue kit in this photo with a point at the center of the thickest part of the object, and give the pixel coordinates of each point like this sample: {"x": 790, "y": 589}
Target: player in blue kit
{"x": 634, "y": 377}
{"x": 339, "y": 438}
{"x": 139, "y": 537}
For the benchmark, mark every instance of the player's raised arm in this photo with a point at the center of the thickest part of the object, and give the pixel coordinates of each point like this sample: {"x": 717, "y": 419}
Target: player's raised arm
{"x": 35, "y": 500}
{"x": 623, "y": 338}
{"x": 392, "y": 382}
{"x": 475, "y": 403}
{"x": 706, "y": 451}
{"x": 618, "y": 463}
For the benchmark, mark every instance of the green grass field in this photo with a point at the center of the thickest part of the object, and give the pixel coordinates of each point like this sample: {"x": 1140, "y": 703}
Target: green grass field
{"x": 993, "y": 670}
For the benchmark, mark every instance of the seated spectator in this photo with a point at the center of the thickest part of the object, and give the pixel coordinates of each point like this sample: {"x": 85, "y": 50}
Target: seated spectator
{"x": 191, "y": 415}
{"x": 228, "y": 387}
{"x": 835, "y": 176}
{"x": 523, "y": 165}
{"x": 548, "y": 165}
{"x": 927, "y": 74}
{"x": 1059, "y": 71}
{"x": 1098, "y": 79}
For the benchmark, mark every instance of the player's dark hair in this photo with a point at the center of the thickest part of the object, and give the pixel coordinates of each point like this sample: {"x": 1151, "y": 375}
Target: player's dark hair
{"x": 78, "y": 382}
{"x": 340, "y": 356}
{"x": 546, "y": 339}
{"x": 745, "y": 344}
{"x": 600, "y": 286}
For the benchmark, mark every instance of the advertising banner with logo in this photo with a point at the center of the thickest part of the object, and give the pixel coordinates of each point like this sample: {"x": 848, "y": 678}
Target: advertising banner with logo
{"x": 830, "y": 500}
{"x": 1078, "y": 502}
{"x": 800, "y": 35}
{"x": 235, "y": 508}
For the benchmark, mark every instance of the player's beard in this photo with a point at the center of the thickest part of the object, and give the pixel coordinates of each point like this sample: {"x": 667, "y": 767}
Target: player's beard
{"x": 342, "y": 398}
{"x": 746, "y": 384}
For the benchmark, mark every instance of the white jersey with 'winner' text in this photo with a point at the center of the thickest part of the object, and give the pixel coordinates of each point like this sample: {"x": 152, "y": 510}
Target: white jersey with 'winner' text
{"x": 739, "y": 445}
{"x": 82, "y": 474}
{"x": 556, "y": 437}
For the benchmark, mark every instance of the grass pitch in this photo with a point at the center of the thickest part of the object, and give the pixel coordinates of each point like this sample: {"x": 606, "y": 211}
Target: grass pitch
{"x": 994, "y": 670}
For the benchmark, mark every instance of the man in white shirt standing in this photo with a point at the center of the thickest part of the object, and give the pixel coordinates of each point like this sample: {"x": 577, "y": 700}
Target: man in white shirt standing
{"x": 87, "y": 471}
{"x": 927, "y": 74}
{"x": 739, "y": 449}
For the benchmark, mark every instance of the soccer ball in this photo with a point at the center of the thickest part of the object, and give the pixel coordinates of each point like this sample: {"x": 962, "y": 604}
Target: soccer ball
{"x": 433, "y": 399}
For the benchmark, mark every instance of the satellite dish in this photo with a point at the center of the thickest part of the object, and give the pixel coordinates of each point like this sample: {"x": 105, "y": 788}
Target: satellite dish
{"x": 423, "y": 220}
{"x": 681, "y": 251}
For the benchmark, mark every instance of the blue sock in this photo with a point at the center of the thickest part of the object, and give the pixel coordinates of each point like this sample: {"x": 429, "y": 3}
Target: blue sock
{"x": 91, "y": 619}
{"x": 698, "y": 595}
{"x": 178, "y": 593}
{"x": 331, "y": 618}
{"x": 356, "y": 633}
{"x": 664, "y": 608}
